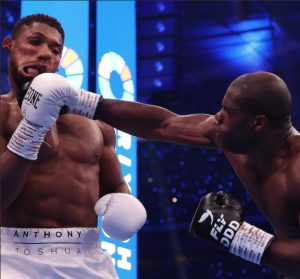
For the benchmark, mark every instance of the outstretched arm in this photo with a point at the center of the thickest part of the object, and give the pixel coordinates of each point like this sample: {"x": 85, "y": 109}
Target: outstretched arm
{"x": 157, "y": 123}
{"x": 142, "y": 120}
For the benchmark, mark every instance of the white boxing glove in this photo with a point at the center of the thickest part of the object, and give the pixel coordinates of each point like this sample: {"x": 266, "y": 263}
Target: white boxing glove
{"x": 41, "y": 106}
{"x": 123, "y": 215}
{"x": 45, "y": 97}
{"x": 59, "y": 92}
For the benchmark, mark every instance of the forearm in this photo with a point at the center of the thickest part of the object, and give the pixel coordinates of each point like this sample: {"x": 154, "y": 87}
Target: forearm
{"x": 123, "y": 188}
{"x": 283, "y": 256}
{"x": 14, "y": 171}
{"x": 139, "y": 119}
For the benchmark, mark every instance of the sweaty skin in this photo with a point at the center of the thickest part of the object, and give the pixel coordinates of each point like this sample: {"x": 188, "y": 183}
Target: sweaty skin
{"x": 76, "y": 164}
{"x": 267, "y": 160}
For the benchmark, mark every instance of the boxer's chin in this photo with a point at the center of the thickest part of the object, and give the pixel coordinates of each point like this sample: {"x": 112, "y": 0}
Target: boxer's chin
{"x": 21, "y": 90}
{"x": 20, "y": 80}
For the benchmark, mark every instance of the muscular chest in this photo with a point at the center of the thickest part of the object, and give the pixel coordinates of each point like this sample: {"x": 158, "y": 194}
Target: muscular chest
{"x": 270, "y": 191}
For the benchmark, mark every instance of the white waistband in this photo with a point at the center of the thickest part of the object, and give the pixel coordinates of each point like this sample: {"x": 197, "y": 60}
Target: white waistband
{"x": 44, "y": 241}
{"x": 46, "y": 235}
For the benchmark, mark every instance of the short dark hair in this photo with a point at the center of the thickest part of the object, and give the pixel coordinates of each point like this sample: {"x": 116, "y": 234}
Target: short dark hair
{"x": 30, "y": 19}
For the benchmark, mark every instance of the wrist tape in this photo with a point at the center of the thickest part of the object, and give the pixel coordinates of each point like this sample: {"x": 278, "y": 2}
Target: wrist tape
{"x": 87, "y": 104}
{"x": 250, "y": 243}
{"x": 27, "y": 140}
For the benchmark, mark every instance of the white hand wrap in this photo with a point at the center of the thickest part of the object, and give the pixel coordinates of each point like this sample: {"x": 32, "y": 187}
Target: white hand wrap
{"x": 250, "y": 243}
{"x": 27, "y": 140}
{"x": 87, "y": 104}
{"x": 123, "y": 215}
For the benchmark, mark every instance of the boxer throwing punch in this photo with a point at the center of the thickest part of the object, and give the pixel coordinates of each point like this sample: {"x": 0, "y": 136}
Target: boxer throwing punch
{"x": 254, "y": 128}
{"x": 57, "y": 171}
{"x": 255, "y": 131}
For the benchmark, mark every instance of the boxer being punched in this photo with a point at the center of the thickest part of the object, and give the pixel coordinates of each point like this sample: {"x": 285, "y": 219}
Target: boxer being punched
{"x": 58, "y": 171}
{"x": 255, "y": 130}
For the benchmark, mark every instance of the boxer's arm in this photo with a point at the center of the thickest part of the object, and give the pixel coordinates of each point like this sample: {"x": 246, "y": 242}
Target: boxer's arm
{"x": 122, "y": 214}
{"x": 283, "y": 256}
{"x": 111, "y": 178}
{"x": 13, "y": 168}
{"x": 142, "y": 120}
{"x": 157, "y": 123}
{"x": 13, "y": 172}
{"x": 219, "y": 220}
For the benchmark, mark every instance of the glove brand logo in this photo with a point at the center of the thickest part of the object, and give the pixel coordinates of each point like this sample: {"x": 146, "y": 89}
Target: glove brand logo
{"x": 226, "y": 232}
{"x": 205, "y": 215}
{"x": 33, "y": 97}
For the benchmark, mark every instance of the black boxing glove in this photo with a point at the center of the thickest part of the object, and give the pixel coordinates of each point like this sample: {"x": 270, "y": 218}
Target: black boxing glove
{"x": 219, "y": 219}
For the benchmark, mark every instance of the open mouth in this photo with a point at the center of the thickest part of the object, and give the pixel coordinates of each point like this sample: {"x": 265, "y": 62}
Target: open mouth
{"x": 33, "y": 71}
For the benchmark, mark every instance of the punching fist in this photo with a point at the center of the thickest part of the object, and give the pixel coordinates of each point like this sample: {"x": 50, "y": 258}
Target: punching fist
{"x": 45, "y": 97}
{"x": 59, "y": 92}
{"x": 123, "y": 215}
{"x": 41, "y": 106}
{"x": 219, "y": 219}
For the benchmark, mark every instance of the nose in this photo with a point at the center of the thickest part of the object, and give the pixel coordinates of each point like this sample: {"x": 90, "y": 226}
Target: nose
{"x": 219, "y": 116}
{"x": 45, "y": 52}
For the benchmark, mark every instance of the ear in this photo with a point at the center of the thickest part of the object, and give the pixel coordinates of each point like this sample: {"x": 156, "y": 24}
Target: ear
{"x": 7, "y": 43}
{"x": 260, "y": 122}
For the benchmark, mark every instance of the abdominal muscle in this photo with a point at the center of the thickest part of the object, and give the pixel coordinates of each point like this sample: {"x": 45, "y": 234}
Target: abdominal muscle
{"x": 59, "y": 199}
{"x": 63, "y": 184}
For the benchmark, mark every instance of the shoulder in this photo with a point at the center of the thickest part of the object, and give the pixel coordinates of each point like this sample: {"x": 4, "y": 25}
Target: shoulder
{"x": 294, "y": 169}
{"x": 108, "y": 133}
{"x": 7, "y": 98}
{"x": 8, "y": 105}
{"x": 295, "y": 153}
{"x": 7, "y": 102}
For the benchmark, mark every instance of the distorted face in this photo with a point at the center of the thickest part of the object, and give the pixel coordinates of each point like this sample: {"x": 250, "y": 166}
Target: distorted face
{"x": 36, "y": 49}
{"x": 234, "y": 126}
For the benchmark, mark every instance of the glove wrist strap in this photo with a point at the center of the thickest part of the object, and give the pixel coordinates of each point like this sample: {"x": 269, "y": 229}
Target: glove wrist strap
{"x": 250, "y": 243}
{"x": 87, "y": 104}
{"x": 27, "y": 140}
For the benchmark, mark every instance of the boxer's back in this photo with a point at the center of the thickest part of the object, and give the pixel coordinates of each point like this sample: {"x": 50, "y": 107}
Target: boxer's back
{"x": 63, "y": 183}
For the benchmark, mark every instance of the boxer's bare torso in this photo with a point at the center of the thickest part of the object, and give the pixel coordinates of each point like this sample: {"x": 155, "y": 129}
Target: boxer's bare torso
{"x": 274, "y": 186}
{"x": 63, "y": 185}
{"x": 273, "y": 182}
